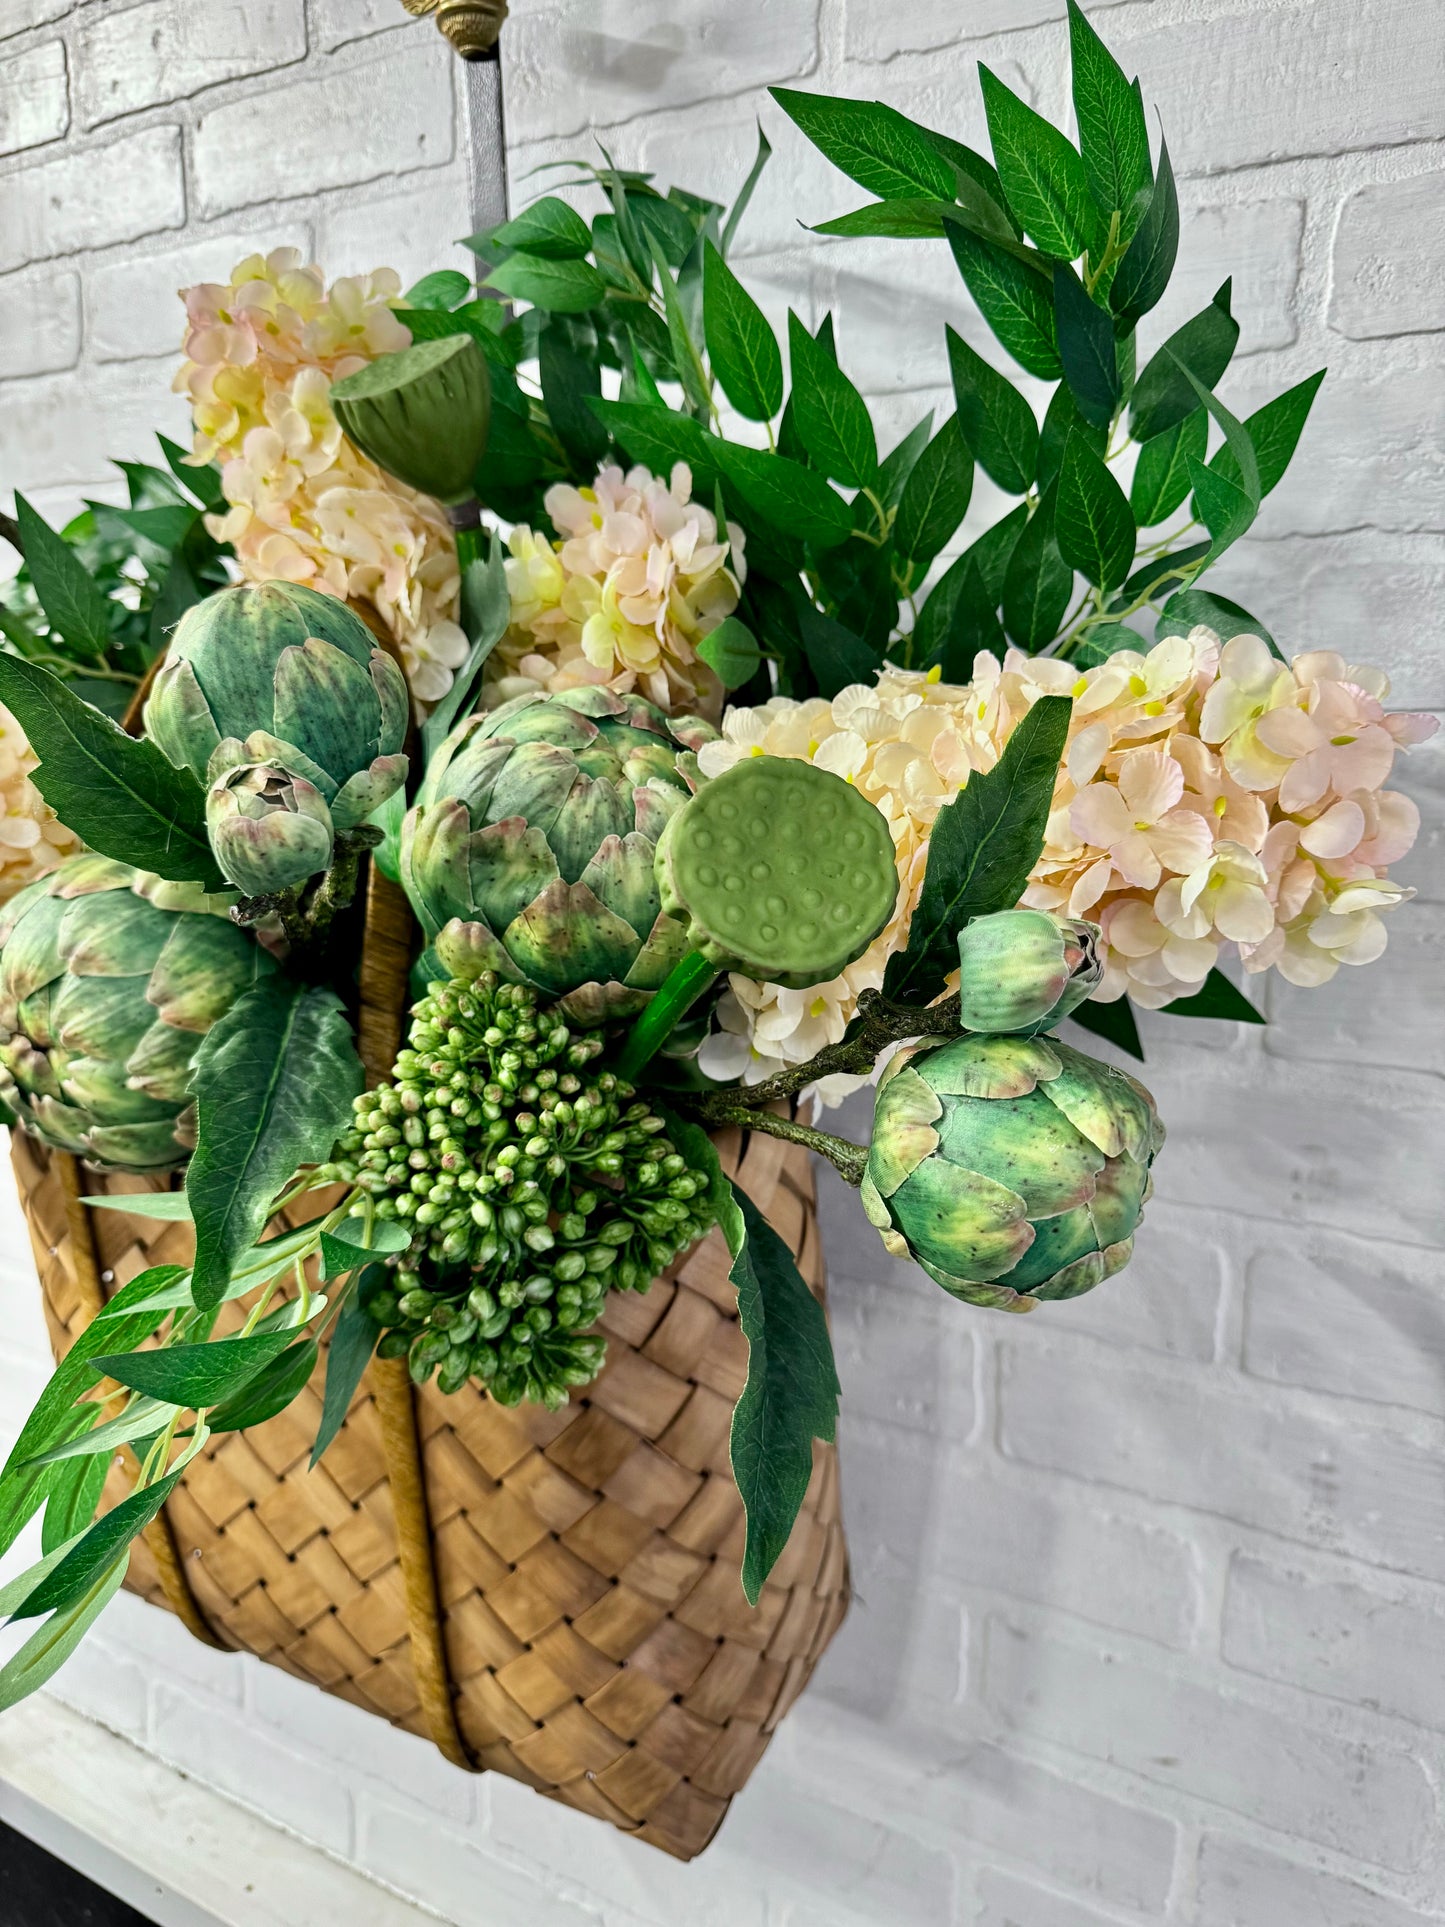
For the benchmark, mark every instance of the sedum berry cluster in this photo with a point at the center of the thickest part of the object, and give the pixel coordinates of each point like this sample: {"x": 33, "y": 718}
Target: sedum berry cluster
{"x": 532, "y": 1180}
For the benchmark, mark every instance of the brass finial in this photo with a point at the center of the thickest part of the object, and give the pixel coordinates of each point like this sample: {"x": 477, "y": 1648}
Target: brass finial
{"x": 472, "y": 26}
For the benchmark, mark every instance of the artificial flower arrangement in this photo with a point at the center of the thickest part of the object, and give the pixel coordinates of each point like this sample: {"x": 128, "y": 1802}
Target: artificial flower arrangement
{"x": 711, "y": 792}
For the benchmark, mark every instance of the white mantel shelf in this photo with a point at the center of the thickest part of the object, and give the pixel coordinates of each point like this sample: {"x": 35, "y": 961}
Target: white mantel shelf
{"x": 178, "y": 1852}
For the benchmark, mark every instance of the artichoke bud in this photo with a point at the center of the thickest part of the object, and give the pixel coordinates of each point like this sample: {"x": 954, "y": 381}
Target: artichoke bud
{"x": 1011, "y": 1169}
{"x": 779, "y": 870}
{"x": 270, "y": 829}
{"x": 422, "y": 414}
{"x": 1023, "y": 971}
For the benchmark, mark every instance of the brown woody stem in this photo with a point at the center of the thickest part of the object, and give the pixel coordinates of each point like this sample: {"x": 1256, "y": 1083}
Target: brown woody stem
{"x": 847, "y": 1157}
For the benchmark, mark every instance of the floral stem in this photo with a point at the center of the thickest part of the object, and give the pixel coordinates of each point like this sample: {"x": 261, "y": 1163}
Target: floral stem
{"x": 684, "y": 984}
{"x": 847, "y": 1158}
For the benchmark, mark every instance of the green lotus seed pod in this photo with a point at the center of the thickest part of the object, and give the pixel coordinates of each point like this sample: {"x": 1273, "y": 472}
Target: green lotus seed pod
{"x": 1023, "y": 970}
{"x": 422, "y": 414}
{"x": 780, "y": 870}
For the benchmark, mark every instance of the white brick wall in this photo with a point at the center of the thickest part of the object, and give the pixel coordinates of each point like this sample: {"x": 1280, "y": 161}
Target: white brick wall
{"x": 1151, "y": 1588}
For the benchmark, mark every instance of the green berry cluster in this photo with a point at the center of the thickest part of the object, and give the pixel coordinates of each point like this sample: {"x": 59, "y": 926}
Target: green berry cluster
{"x": 533, "y": 1182}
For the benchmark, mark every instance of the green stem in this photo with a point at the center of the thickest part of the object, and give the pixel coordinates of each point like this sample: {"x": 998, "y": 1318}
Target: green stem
{"x": 469, "y": 546}
{"x": 847, "y": 1158}
{"x": 684, "y": 984}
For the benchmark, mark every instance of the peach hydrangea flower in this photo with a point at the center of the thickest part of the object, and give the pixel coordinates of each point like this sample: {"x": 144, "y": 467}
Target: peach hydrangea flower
{"x": 640, "y": 575}
{"x": 304, "y": 504}
{"x": 1205, "y": 807}
{"x": 32, "y": 837}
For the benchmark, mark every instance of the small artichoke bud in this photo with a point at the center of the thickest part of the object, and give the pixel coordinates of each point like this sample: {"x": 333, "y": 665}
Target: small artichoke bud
{"x": 1023, "y": 971}
{"x": 268, "y": 828}
{"x": 422, "y": 415}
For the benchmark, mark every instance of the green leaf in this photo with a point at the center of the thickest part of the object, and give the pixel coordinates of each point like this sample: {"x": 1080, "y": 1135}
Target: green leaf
{"x": 993, "y": 551}
{"x": 874, "y": 145}
{"x": 658, "y": 436}
{"x": 1164, "y": 393}
{"x": 1217, "y": 997}
{"x": 549, "y": 229}
{"x": 95, "y": 1553}
{"x": 1013, "y": 299}
{"x": 1062, "y": 419}
{"x": 1039, "y": 582}
{"x": 1104, "y": 640}
{"x": 1113, "y": 134}
{"x": 1274, "y": 433}
{"x": 446, "y": 288}
{"x": 953, "y": 608}
{"x": 1188, "y": 607}
{"x": 273, "y": 1084}
{"x": 745, "y": 193}
{"x": 1114, "y": 1022}
{"x": 731, "y": 652}
{"x": 118, "y": 793}
{"x": 935, "y": 496}
{"x": 685, "y": 356}
{"x": 75, "y": 1492}
{"x": 343, "y": 1250}
{"x": 1092, "y": 524}
{"x": 997, "y": 422}
{"x": 973, "y": 625}
{"x": 194, "y": 1377}
{"x": 1178, "y": 564}
{"x": 485, "y": 612}
{"x": 1236, "y": 435}
{"x": 47, "y": 1650}
{"x": 140, "y": 1421}
{"x": 793, "y": 498}
{"x": 178, "y": 592}
{"x": 890, "y": 221}
{"x": 896, "y": 466}
{"x": 557, "y": 287}
{"x": 1143, "y": 274}
{"x": 272, "y": 1389}
{"x": 1222, "y": 506}
{"x": 200, "y": 479}
{"x": 171, "y": 1207}
{"x": 745, "y": 354}
{"x": 836, "y": 656}
{"x": 74, "y": 605}
{"x": 1044, "y": 179}
{"x": 982, "y": 848}
{"x": 352, "y": 1343}
{"x": 791, "y": 1394}
{"x": 831, "y": 417}
{"x": 666, "y": 226}
{"x": 1161, "y": 475}
{"x": 167, "y": 527}
{"x": 569, "y": 383}
{"x": 1086, "y": 348}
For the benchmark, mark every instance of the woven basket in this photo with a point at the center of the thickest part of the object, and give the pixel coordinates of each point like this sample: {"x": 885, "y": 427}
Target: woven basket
{"x": 554, "y": 1595}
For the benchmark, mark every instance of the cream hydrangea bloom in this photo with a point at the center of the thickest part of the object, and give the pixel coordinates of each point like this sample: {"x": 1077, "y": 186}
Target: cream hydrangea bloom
{"x": 305, "y": 505}
{"x": 640, "y": 575}
{"x": 32, "y": 837}
{"x": 1211, "y": 800}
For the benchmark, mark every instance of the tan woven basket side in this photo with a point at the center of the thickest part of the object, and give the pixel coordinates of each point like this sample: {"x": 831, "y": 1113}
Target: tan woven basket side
{"x": 599, "y": 1644}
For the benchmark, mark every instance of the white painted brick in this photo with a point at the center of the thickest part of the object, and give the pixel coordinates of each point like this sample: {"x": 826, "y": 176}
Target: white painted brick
{"x": 1387, "y": 270}
{"x": 34, "y": 97}
{"x": 414, "y": 228}
{"x": 911, "y": 1356}
{"x": 820, "y": 1848}
{"x": 1294, "y": 80}
{"x": 567, "y": 71}
{"x": 229, "y": 1752}
{"x": 1005, "y": 1901}
{"x": 39, "y": 323}
{"x": 1167, "y": 1301}
{"x": 105, "y": 1683}
{"x": 456, "y": 1876}
{"x": 164, "y": 50}
{"x": 1195, "y": 1443}
{"x": 1241, "y": 1885}
{"x": 22, "y": 14}
{"x": 1347, "y": 1315}
{"x": 1338, "y": 1638}
{"x": 1257, "y": 243}
{"x": 299, "y": 137}
{"x": 58, "y": 206}
{"x": 132, "y": 303}
{"x": 878, "y": 33}
{"x": 984, "y": 1798}
{"x": 1400, "y": 1022}
{"x": 74, "y": 429}
{"x": 1232, "y": 1752}
{"x": 1421, "y": 776}
{"x": 165, "y": 1650}
{"x": 335, "y": 23}
{"x": 1388, "y": 590}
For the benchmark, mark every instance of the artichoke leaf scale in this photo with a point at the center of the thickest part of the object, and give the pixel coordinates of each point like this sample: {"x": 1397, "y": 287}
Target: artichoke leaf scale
{"x": 535, "y": 782}
{"x": 1025, "y": 1144}
{"x": 1102, "y": 1103}
{"x": 205, "y": 966}
{"x": 965, "y": 1223}
{"x": 99, "y": 1084}
{"x": 597, "y": 808}
{"x": 436, "y": 861}
{"x": 666, "y": 946}
{"x": 566, "y": 938}
{"x": 903, "y": 1130}
{"x": 993, "y": 1067}
{"x": 508, "y": 866}
{"x": 1118, "y": 1201}
{"x": 112, "y": 934}
{"x": 325, "y": 703}
{"x": 620, "y": 875}
{"x": 31, "y": 958}
{"x": 160, "y": 1064}
{"x": 95, "y": 1016}
{"x": 180, "y": 721}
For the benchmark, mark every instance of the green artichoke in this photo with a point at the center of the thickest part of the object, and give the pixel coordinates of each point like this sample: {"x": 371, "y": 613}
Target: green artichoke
{"x": 422, "y": 414}
{"x": 1010, "y": 1168}
{"x": 269, "y": 830}
{"x": 529, "y": 850}
{"x": 108, "y": 982}
{"x": 1023, "y": 970}
{"x": 279, "y": 674}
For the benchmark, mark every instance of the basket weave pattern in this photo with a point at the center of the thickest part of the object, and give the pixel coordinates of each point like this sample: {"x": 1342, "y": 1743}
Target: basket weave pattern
{"x": 592, "y": 1621}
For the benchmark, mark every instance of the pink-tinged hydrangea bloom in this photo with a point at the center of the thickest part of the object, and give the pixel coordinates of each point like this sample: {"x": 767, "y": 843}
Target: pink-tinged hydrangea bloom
{"x": 32, "y": 837}
{"x": 305, "y": 505}
{"x": 1203, "y": 809}
{"x": 640, "y": 575}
